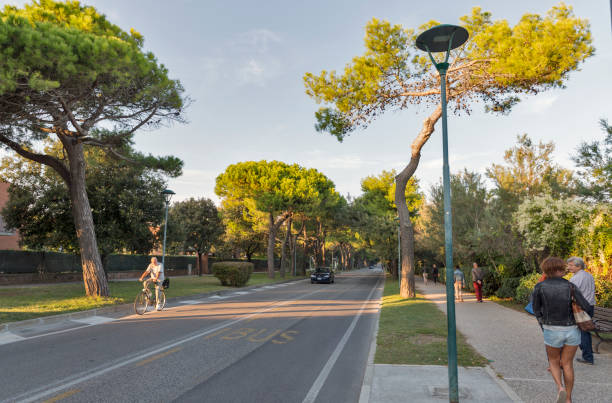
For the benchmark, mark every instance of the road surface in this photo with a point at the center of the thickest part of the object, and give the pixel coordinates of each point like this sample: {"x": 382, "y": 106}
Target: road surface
{"x": 294, "y": 342}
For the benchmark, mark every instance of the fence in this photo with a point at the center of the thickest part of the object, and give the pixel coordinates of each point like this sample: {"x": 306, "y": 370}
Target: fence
{"x": 22, "y": 262}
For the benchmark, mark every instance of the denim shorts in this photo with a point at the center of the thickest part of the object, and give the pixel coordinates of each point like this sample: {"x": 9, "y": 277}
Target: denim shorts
{"x": 570, "y": 336}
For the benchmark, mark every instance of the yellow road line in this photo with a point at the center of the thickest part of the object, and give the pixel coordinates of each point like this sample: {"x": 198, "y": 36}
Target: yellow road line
{"x": 158, "y": 356}
{"x": 62, "y": 396}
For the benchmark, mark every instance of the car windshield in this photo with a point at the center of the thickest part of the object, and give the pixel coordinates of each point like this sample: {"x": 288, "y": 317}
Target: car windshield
{"x": 322, "y": 271}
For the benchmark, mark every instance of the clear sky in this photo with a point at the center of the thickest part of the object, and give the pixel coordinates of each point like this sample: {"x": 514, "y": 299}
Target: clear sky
{"x": 242, "y": 63}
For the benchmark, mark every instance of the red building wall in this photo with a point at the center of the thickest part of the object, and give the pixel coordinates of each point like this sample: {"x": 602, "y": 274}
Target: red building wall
{"x": 9, "y": 239}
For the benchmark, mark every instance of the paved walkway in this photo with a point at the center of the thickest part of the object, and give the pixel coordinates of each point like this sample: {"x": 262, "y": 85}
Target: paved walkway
{"x": 513, "y": 343}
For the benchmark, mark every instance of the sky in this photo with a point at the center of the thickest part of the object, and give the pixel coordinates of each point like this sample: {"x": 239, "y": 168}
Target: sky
{"x": 242, "y": 63}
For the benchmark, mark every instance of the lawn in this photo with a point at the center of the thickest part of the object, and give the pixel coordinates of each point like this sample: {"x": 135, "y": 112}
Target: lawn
{"x": 32, "y": 302}
{"x": 413, "y": 331}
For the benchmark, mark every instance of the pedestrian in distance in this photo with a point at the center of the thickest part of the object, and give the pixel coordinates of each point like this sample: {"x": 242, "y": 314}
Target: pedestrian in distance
{"x": 425, "y": 274}
{"x": 585, "y": 282}
{"x": 156, "y": 271}
{"x": 434, "y": 273}
{"x": 477, "y": 277}
{"x": 459, "y": 283}
{"x": 552, "y": 305}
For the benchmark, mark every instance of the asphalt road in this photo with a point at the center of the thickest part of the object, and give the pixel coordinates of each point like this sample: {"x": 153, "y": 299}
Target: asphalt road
{"x": 298, "y": 342}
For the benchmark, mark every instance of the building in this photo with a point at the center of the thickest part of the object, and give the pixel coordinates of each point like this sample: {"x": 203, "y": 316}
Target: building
{"x": 9, "y": 239}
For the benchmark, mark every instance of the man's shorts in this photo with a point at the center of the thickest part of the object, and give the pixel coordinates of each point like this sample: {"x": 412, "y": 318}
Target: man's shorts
{"x": 562, "y": 336}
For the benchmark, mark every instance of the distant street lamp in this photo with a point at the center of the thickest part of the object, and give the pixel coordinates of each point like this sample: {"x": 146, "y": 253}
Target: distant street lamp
{"x": 444, "y": 38}
{"x": 167, "y": 193}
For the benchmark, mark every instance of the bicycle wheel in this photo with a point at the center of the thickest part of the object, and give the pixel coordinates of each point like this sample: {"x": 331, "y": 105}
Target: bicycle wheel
{"x": 162, "y": 300}
{"x": 141, "y": 302}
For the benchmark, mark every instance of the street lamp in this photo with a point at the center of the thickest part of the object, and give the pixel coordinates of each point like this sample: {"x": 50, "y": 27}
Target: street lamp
{"x": 167, "y": 193}
{"x": 444, "y": 38}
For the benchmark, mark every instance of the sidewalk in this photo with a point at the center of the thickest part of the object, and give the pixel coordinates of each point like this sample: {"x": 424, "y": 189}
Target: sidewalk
{"x": 513, "y": 343}
{"x": 385, "y": 383}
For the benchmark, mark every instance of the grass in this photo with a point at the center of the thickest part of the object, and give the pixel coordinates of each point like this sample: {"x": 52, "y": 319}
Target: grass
{"x": 413, "y": 331}
{"x": 509, "y": 303}
{"x": 33, "y": 302}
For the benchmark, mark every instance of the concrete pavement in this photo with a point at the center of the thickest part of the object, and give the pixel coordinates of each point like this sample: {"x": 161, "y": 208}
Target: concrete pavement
{"x": 384, "y": 383}
{"x": 513, "y": 343}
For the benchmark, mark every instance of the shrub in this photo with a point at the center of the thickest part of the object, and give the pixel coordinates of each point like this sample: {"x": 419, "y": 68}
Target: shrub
{"x": 603, "y": 291}
{"x": 508, "y": 287}
{"x": 234, "y": 274}
{"x": 525, "y": 287}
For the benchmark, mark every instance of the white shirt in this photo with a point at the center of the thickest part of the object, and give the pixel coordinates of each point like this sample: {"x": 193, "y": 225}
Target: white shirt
{"x": 586, "y": 284}
{"x": 154, "y": 269}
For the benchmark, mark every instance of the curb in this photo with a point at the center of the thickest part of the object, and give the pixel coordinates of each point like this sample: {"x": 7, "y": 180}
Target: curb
{"x": 368, "y": 377}
{"x": 122, "y": 308}
{"x": 502, "y": 384}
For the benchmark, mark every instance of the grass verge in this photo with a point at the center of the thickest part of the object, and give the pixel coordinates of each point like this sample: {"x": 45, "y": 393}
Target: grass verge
{"x": 33, "y": 302}
{"x": 509, "y": 303}
{"x": 413, "y": 331}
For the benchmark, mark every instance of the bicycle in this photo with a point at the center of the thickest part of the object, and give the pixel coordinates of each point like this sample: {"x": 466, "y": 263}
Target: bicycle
{"x": 145, "y": 298}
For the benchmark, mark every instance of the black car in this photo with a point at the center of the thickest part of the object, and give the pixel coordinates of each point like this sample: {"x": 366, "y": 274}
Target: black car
{"x": 322, "y": 275}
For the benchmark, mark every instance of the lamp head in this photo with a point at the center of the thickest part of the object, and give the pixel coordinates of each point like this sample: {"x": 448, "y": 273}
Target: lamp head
{"x": 167, "y": 195}
{"x": 442, "y": 38}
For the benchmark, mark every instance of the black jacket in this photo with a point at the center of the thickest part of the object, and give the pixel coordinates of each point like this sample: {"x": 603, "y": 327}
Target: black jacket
{"x": 552, "y": 302}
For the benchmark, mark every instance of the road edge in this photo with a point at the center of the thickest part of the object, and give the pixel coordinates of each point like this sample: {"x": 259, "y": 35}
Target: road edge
{"x": 121, "y": 308}
{"x": 368, "y": 378}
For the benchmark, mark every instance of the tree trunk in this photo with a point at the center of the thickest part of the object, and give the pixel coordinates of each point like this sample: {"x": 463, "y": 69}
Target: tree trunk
{"x": 305, "y": 257}
{"x": 284, "y": 249}
{"x": 273, "y": 229}
{"x": 93, "y": 272}
{"x": 407, "y": 289}
{"x": 198, "y": 268}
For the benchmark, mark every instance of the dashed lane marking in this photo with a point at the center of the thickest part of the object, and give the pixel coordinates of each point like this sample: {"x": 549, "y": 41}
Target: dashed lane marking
{"x": 62, "y": 396}
{"x": 158, "y": 356}
{"x": 190, "y": 302}
{"x": 219, "y": 297}
{"x": 8, "y": 337}
{"x": 94, "y": 320}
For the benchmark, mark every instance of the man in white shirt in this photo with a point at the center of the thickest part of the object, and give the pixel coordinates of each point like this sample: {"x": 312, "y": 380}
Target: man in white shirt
{"x": 156, "y": 271}
{"x": 584, "y": 281}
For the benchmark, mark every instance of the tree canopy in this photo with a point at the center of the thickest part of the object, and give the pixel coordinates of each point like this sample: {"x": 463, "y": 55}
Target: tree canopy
{"x": 278, "y": 189}
{"x": 497, "y": 66}
{"x": 195, "y": 225}
{"x": 70, "y": 76}
{"x": 498, "y": 63}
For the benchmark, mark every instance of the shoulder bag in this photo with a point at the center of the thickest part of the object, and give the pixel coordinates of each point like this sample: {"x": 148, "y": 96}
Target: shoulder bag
{"x": 583, "y": 320}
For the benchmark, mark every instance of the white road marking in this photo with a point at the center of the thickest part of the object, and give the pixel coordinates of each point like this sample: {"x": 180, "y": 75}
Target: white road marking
{"x": 7, "y": 337}
{"x": 268, "y": 287}
{"x": 66, "y": 383}
{"x": 189, "y": 302}
{"x": 241, "y": 293}
{"x": 219, "y": 296}
{"x": 312, "y": 394}
{"x": 94, "y": 320}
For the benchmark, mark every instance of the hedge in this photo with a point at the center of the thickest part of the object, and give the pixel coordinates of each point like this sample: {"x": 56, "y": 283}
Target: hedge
{"x": 20, "y": 262}
{"x": 234, "y": 274}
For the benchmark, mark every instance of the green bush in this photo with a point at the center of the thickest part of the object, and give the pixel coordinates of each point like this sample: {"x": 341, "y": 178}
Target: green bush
{"x": 603, "y": 292}
{"x": 525, "y": 287}
{"x": 508, "y": 287}
{"x": 234, "y": 274}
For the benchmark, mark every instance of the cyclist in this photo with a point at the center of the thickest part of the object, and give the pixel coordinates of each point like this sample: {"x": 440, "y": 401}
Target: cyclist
{"x": 156, "y": 271}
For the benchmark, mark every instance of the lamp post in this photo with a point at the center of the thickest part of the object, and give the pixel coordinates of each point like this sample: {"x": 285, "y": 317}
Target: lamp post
{"x": 167, "y": 193}
{"x": 444, "y": 38}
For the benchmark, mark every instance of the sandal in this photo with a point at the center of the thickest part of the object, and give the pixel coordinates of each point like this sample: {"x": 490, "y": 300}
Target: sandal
{"x": 562, "y": 396}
